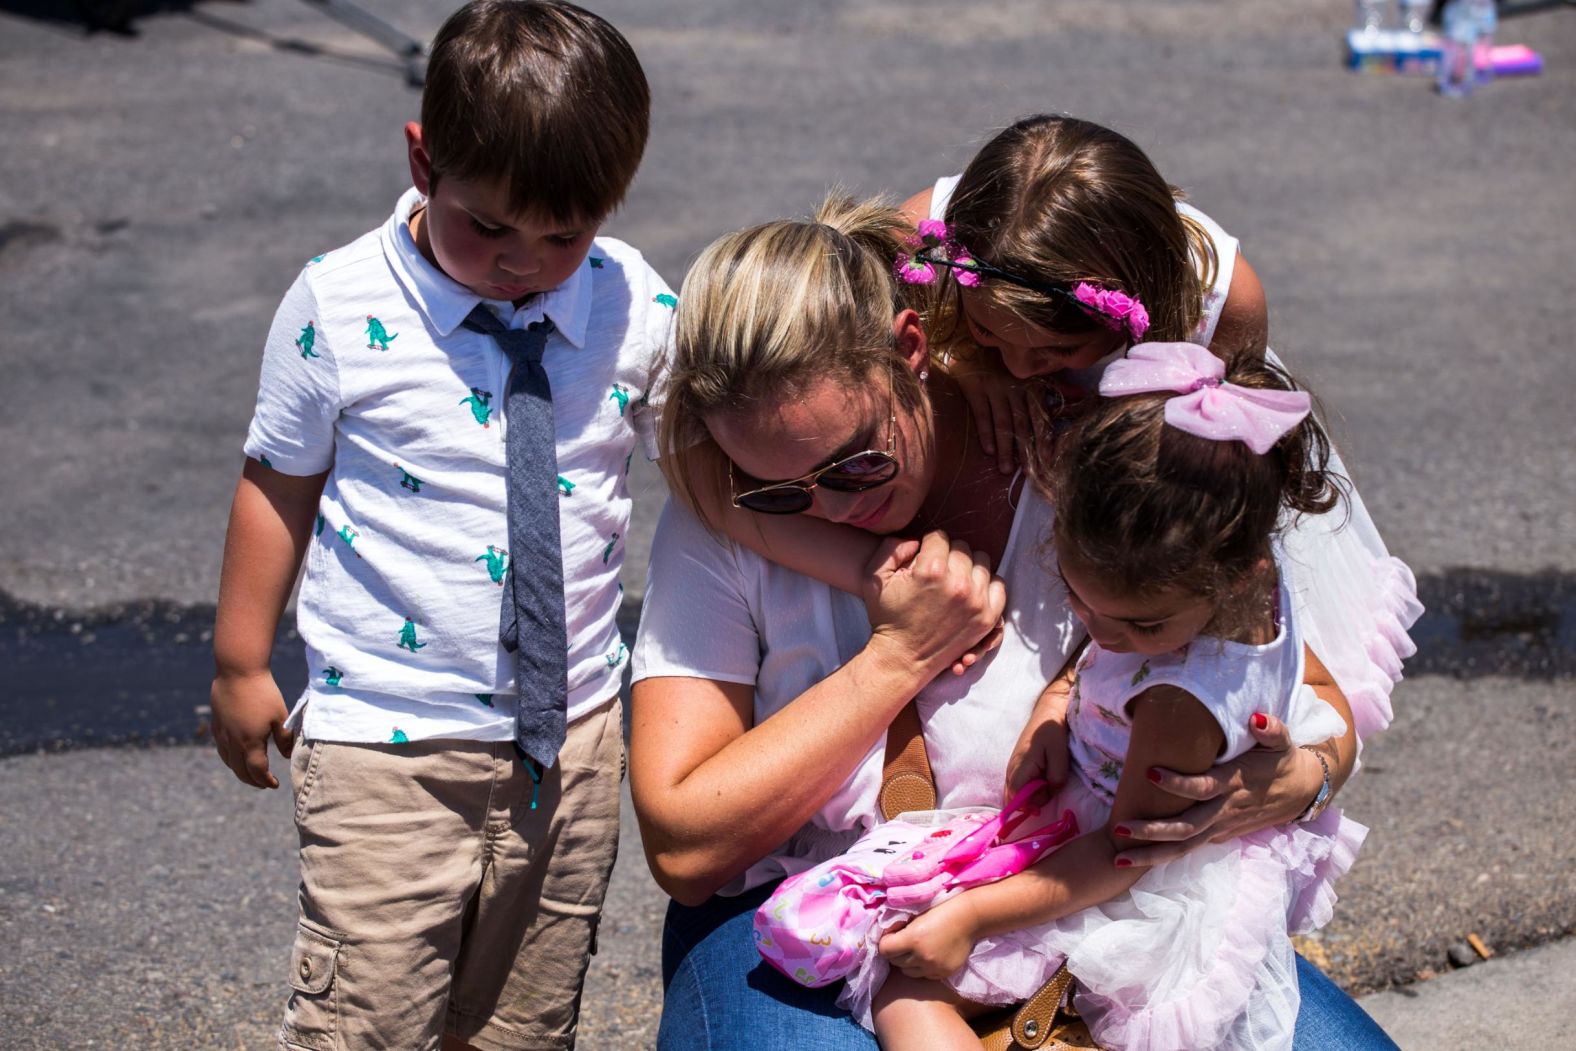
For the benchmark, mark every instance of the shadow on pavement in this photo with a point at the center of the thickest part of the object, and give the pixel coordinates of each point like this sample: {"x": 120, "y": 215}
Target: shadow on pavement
{"x": 120, "y": 18}
{"x": 139, "y": 674}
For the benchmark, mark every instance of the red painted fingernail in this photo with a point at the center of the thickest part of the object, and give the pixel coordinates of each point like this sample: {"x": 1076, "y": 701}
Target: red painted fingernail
{"x": 1260, "y": 721}
{"x": 1123, "y": 863}
{"x": 1153, "y": 775}
{"x": 1122, "y": 830}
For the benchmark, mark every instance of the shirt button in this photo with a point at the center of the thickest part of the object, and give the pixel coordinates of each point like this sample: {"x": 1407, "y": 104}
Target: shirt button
{"x": 306, "y": 968}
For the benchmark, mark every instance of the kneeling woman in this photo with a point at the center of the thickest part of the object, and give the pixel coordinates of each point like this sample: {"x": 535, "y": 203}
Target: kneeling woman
{"x": 763, "y": 695}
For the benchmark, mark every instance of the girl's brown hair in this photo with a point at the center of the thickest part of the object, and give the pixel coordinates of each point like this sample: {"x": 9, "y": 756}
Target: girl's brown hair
{"x": 1063, "y": 200}
{"x": 766, "y": 312}
{"x": 1146, "y": 507}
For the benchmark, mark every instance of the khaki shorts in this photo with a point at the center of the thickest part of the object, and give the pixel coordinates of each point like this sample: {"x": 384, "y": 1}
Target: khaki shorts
{"x": 435, "y": 899}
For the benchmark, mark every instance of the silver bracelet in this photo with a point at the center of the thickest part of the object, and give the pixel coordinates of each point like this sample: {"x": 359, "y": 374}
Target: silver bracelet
{"x": 1322, "y": 798}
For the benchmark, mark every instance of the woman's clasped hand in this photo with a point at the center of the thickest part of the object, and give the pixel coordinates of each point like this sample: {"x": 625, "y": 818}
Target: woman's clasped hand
{"x": 932, "y": 600}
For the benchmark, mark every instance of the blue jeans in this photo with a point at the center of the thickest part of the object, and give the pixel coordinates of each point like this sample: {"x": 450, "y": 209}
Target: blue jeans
{"x": 721, "y": 996}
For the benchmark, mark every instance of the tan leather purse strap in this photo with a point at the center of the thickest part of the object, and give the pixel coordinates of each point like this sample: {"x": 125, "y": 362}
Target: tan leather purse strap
{"x": 908, "y": 784}
{"x": 906, "y": 780}
{"x": 1035, "y": 1019}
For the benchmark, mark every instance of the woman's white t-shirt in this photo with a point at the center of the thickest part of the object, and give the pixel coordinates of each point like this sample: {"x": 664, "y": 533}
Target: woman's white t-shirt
{"x": 717, "y": 611}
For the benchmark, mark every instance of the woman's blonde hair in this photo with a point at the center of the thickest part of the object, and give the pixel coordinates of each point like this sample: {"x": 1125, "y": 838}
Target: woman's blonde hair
{"x": 1058, "y": 199}
{"x": 766, "y": 312}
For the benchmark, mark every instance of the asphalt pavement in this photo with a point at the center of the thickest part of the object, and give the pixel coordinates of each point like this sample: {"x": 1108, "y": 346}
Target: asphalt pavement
{"x": 159, "y": 191}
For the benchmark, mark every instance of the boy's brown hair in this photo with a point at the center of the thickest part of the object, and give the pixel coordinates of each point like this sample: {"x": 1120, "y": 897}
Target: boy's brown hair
{"x": 543, "y": 96}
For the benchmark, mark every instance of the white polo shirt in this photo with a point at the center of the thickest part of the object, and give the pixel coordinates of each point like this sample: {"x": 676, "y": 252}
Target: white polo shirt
{"x": 369, "y": 375}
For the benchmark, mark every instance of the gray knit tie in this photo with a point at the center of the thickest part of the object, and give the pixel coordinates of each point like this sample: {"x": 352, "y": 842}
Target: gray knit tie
{"x": 531, "y": 622}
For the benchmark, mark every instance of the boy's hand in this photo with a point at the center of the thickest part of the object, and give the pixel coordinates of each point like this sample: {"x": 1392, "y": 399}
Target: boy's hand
{"x": 933, "y": 944}
{"x": 1041, "y": 752}
{"x": 247, "y": 710}
{"x": 1000, "y": 405}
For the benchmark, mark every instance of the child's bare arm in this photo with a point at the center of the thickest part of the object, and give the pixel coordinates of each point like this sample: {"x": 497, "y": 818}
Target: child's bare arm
{"x": 1244, "y": 323}
{"x": 270, "y": 526}
{"x": 833, "y": 554}
{"x": 1041, "y": 751}
{"x": 1169, "y": 727}
{"x": 1267, "y": 785}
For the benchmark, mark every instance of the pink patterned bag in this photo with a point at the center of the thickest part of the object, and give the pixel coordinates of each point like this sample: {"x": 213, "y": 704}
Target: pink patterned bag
{"x": 818, "y": 924}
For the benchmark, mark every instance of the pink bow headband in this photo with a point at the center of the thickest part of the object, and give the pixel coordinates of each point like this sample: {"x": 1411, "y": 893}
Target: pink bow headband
{"x": 1206, "y": 405}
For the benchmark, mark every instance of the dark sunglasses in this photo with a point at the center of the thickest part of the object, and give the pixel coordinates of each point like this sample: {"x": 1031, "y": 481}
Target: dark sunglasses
{"x": 852, "y": 474}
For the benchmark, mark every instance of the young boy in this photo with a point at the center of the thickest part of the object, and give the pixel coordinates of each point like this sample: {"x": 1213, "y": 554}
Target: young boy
{"x": 451, "y": 879}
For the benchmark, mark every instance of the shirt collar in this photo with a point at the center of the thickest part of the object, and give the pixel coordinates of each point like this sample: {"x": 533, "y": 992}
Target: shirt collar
{"x": 446, "y": 303}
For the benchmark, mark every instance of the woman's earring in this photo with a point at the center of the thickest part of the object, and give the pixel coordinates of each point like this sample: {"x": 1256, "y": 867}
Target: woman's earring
{"x": 924, "y": 374}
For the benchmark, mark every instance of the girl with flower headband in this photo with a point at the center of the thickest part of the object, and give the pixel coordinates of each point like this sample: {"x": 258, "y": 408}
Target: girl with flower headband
{"x": 1059, "y": 247}
{"x": 1169, "y": 491}
{"x": 1056, "y": 248}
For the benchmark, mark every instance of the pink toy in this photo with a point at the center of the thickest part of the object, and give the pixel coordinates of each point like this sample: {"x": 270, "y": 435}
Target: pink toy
{"x": 819, "y": 924}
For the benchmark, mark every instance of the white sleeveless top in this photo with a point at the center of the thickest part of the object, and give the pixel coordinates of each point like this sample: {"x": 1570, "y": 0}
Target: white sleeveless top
{"x": 1232, "y": 680}
{"x": 1226, "y": 248}
{"x": 717, "y": 611}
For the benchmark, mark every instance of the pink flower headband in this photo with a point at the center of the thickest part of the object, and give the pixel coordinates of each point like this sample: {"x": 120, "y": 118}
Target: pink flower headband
{"x": 1206, "y": 405}
{"x": 932, "y": 248}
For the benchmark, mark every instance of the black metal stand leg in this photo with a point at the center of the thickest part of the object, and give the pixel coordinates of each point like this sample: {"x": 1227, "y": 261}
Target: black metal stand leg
{"x": 369, "y": 25}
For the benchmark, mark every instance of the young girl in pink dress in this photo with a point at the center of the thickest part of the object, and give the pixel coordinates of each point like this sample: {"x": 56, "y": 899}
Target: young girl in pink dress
{"x": 1169, "y": 491}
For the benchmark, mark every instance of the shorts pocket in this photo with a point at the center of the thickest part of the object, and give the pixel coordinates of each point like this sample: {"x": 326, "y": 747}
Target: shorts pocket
{"x": 312, "y": 1015}
{"x": 308, "y": 777}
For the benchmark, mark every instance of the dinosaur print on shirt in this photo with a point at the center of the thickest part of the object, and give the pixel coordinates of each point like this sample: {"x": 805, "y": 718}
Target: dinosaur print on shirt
{"x": 480, "y": 402}
{"x": 378, "y": 337}
{"x": 497, "y": 560}
{"x": 306, "y": 340}
{"x": 408, "y": 480}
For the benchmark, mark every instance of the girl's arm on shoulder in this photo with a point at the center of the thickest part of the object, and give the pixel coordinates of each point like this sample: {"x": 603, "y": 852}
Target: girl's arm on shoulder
{"x": 1170, "y": 727}
{"x": 833, "y": 554}
{"x": 917, "y": 207}
{"x": 1244, "y": 317}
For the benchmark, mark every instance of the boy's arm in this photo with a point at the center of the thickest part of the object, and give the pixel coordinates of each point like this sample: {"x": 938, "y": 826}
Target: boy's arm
{"x": 270, "y": 526}
{"x": 1170, "y": 727}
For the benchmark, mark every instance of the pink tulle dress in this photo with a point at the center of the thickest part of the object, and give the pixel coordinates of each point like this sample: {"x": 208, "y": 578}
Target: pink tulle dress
{"x": 1197, "y": 954}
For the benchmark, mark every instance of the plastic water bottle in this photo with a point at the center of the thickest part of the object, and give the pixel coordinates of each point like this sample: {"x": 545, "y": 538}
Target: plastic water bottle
{"x": 1485, "y": 16}
{"x": 1370, "y": 16}
{"x": 1414, "y": 16}
{"x": 1457, "y": 69}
